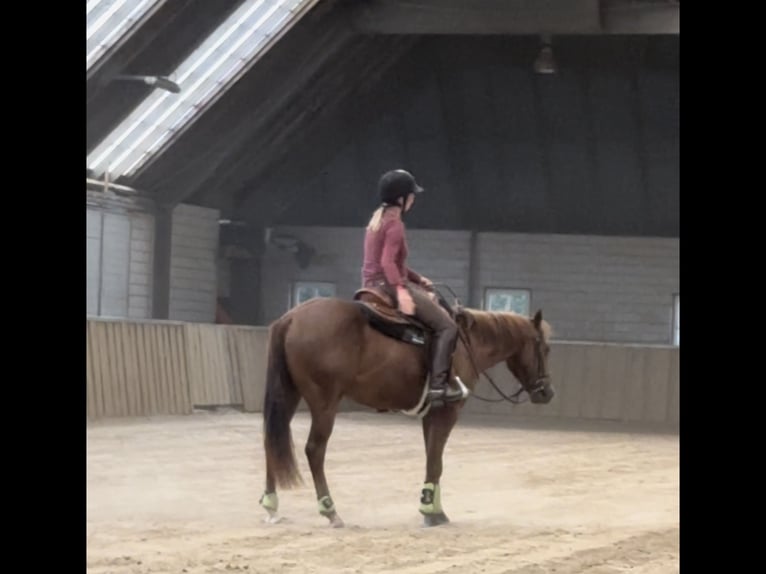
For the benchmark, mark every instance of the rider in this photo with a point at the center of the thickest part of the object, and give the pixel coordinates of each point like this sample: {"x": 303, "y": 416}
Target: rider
{"x": 385, "y": 255}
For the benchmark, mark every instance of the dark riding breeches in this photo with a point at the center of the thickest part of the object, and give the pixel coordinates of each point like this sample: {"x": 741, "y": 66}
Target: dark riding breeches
{"x": 445, "y": 335}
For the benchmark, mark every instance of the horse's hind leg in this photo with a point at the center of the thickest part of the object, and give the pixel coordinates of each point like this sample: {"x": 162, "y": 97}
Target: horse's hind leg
{"x": 269, "y": 500}
{"x": 322, "y": 422}
{"x": 437, "y": 426}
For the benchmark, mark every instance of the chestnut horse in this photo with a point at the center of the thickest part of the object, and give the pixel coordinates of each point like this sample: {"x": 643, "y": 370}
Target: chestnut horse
{"x": 328, "y": 348}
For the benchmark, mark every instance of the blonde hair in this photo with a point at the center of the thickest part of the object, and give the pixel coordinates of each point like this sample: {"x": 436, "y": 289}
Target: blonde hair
{"x": 376, "y": 219}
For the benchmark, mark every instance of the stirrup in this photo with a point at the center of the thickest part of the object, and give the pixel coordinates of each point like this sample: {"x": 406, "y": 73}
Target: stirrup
{"x": 447, "y": 393}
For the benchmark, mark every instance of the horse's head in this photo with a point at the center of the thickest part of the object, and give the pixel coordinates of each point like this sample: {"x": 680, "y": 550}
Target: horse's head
{"x": 521, "y": 342}
{"x": 530, "y": 364}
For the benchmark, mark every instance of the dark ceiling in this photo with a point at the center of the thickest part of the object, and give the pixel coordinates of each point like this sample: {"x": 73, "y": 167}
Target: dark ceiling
{"x": 328, "y": 69}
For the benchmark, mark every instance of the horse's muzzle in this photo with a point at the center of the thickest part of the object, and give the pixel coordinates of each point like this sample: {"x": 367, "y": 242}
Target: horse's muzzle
{"x": 543, "y": 395}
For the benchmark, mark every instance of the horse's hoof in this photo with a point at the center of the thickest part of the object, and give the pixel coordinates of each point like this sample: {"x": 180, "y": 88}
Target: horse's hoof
{"x": 274, "y": 519}
{"x": 336, "y": 522}
{"x": 435, "y": 519}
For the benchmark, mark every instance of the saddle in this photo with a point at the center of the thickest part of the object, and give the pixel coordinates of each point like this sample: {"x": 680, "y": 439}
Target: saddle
{"x": 383, "y": 316}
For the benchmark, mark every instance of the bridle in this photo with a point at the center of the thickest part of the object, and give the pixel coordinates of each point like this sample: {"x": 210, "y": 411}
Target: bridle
{"x": 539, "y": 384}
{"x": 543, "y": 377}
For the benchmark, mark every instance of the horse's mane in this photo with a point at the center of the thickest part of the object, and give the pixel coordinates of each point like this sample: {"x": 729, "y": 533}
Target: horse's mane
{"x": 488, "y": 325}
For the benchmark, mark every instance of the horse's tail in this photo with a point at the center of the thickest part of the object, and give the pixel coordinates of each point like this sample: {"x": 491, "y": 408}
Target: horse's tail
{"x": 279, "y": 406}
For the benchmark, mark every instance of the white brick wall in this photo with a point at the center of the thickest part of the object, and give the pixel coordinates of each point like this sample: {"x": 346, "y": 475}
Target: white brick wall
{"x": 114, "y": 265}
{"x": 338, "y": 260}
{"x": 590, "y": 288}
{"x": 93, "y": 220}
{"x": 141, "y": 261}
{"x": 119, "y": 262}
{"x": 120, "y": 250}
{"x": 440, "y": 255}
{"x": 193, "y": 264}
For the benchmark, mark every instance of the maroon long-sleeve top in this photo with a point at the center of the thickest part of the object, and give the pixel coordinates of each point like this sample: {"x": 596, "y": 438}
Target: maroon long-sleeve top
{"x": 385, "y": 253}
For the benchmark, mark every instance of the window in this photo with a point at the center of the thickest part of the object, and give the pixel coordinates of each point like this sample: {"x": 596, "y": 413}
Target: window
{"x": 305, "y": 290}
{"x": 516, "y": 300}
{"x": 216, "y": 63}
{"x": 677, "y": 319}
{"x": 109, "y": 21}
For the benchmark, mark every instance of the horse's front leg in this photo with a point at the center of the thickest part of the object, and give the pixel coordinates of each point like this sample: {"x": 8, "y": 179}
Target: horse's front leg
{"x": 437, "y": 426}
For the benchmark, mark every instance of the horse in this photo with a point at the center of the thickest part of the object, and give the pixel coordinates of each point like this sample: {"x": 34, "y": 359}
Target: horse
{"x": 362, "y": 348}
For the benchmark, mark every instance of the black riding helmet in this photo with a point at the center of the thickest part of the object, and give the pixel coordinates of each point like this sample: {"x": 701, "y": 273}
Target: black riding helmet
{"x": 395, "y": 184}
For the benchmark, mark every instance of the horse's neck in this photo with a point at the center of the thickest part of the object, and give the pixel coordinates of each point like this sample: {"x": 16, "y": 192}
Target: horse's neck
{"x": 483, "y": 356}
{"x": 487, "y": 358}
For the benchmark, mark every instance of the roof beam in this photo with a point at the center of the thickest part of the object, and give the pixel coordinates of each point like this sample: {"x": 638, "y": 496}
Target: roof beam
{"x": 156, "y": 49}
{"x": 205, "y": 75}
{"x": 132, "y": 45}
{"x": 623, "y": 17}
{"x": 240, "y": 126}
{"x": 310, "y": 113}
{"x": 312, "y": 146}
{"x": 517, "y": 17}
{"x": 108, "y": 24}
{"x": 477, "y": 17}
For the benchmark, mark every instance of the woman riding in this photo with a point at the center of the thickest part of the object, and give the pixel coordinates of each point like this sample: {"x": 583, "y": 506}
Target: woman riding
{"x": 385, "y": 268}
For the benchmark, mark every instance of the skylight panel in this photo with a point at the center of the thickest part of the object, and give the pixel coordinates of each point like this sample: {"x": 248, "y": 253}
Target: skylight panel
{"x": 205, "y": 75}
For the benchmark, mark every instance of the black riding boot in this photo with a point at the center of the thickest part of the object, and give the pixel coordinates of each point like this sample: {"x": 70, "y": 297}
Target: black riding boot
{"x": 439, "y": 387}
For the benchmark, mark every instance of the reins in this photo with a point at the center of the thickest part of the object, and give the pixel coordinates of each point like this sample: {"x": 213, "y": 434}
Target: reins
{"x": 469, "y": 349}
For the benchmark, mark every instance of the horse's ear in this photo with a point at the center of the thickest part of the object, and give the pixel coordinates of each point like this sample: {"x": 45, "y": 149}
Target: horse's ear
{"x": 463, "y": 318}
{"x": 538, "y": 319}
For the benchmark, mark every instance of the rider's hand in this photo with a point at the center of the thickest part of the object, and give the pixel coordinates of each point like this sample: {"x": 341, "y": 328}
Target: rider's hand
{"x": 427, "y": 283}
{"x": 406, "y": 304}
